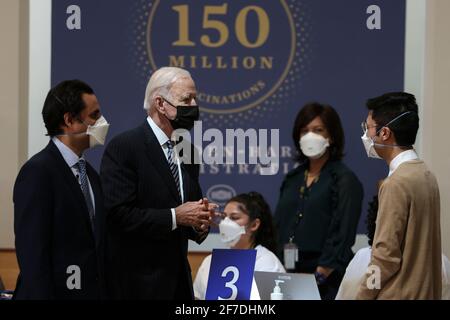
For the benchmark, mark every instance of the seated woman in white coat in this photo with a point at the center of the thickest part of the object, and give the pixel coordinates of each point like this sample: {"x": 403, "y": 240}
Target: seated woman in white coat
{"x": 357, "y": 267}
{"x": 247, "y": 225}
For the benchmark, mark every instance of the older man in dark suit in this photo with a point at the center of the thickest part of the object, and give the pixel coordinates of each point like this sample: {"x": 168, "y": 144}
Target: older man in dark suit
{"x": 154, "y": 200}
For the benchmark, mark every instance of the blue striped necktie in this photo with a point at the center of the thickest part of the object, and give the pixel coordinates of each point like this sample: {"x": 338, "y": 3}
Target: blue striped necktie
{"x": 172, "y": 164}
{"x": 81, "y": 167}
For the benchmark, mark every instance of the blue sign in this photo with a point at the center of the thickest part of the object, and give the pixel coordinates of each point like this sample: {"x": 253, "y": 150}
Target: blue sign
{"x": 231, "y": 274}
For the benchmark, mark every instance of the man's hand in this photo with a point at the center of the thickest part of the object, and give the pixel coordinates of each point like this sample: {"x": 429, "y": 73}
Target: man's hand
{"x": 195, "y": 214}
{"x": 211, "y": 207}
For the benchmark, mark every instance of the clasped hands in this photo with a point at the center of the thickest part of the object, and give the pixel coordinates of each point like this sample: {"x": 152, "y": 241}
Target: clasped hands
{"x": 196, "y": 214}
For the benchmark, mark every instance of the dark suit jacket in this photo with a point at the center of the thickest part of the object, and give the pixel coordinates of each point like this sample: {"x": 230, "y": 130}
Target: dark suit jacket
{"x": 53, "y": 230}
{"x": 148, "y": 258}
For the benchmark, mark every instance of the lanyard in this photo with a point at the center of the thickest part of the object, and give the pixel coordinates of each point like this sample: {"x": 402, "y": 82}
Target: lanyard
{"x": 303, "y": 193}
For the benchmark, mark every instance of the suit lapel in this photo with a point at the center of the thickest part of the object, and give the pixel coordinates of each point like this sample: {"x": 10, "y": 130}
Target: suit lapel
{"x": 159, "y": 160}
{"x": 71, "y": 180}
{"x": 186, "y": 181}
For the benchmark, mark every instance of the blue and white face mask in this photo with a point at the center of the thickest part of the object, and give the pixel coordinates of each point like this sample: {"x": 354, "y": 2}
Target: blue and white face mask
{"x": 369, "y": 143}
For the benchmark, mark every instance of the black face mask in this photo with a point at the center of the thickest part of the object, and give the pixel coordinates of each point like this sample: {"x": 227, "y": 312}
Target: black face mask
{"x": 186, "y": 116}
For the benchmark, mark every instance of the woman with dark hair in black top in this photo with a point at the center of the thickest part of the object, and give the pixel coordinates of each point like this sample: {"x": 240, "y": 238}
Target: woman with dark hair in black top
{"x": 320, "y": 201}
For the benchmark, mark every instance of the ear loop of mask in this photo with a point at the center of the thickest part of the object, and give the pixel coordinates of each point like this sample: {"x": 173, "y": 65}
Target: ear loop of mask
{"x": 62, "y": 104}
{"x": 58, "y": 99}
{"x": 67, "y": 134}
{"x": 170, "y": 103}
{"x": 386, "y": 126}
{"x": 176, "y": 107}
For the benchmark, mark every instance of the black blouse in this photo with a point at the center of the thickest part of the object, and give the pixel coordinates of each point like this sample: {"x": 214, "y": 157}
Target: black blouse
{"x": 323, "y": 218}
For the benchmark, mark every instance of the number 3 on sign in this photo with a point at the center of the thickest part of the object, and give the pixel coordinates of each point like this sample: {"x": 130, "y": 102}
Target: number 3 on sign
{"x": 231, "y": 274}
{"x": 231, "y": 284}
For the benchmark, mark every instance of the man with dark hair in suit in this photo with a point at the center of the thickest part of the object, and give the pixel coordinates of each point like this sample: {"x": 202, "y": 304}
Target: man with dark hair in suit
{"x": 58, "y": 203}
{"x": 154, "y": 201}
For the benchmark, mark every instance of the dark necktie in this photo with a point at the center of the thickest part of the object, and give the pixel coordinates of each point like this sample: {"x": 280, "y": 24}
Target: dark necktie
{"x": 81, "y": 166}
{"x": 172, "y": 164}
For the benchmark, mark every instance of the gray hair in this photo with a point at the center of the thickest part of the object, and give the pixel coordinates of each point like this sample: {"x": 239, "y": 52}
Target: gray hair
{"x": 161, "y": 81}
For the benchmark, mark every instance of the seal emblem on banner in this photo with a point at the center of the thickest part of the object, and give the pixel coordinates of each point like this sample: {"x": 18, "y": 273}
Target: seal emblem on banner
{"x": 220, "y": 194}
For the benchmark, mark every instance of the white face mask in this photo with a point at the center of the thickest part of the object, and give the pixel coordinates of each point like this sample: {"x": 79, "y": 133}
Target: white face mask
{"x": 97, "y": 132}
{"x": 313, "y": 145}
{"x": 369, "y": 145}
{"x": 230, "y": 232}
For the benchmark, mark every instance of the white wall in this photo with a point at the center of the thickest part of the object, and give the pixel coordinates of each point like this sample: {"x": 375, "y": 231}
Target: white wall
{"x": 25, "y": 35}
{"x": 436, "y": 116}
{"x": 12, "y": 109}
{"x": 427, "y": 75}
{"x": 40, "y": 71}
{"x": 415, "y": 56}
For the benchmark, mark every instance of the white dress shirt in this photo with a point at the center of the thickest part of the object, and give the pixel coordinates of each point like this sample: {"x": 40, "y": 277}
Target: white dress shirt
{"x": 354, "y": 275}
{"x": 72, "y": 159}
{"x": 162, "y": 139}
{"x": 356, "y": 271}
{"x": 405, "y": 156}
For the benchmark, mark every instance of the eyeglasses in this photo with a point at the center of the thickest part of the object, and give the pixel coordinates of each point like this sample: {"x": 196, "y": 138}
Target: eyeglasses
{"x": 365, "y": 126}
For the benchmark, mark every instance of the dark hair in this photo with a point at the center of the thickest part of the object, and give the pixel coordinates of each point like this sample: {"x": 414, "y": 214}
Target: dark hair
{"x": 64, "y": 97}
{"x": 254, "y": 205}
{"x": 332, "y": 122}
{"x": 371, "y": 220}
{"x": 387, "y": 107}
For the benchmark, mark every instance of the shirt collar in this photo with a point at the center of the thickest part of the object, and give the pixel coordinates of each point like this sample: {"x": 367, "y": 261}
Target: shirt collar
{"x": 69, "y": 156}
{"x": 160, "y": 135}
{"x": 405, "y": 156}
